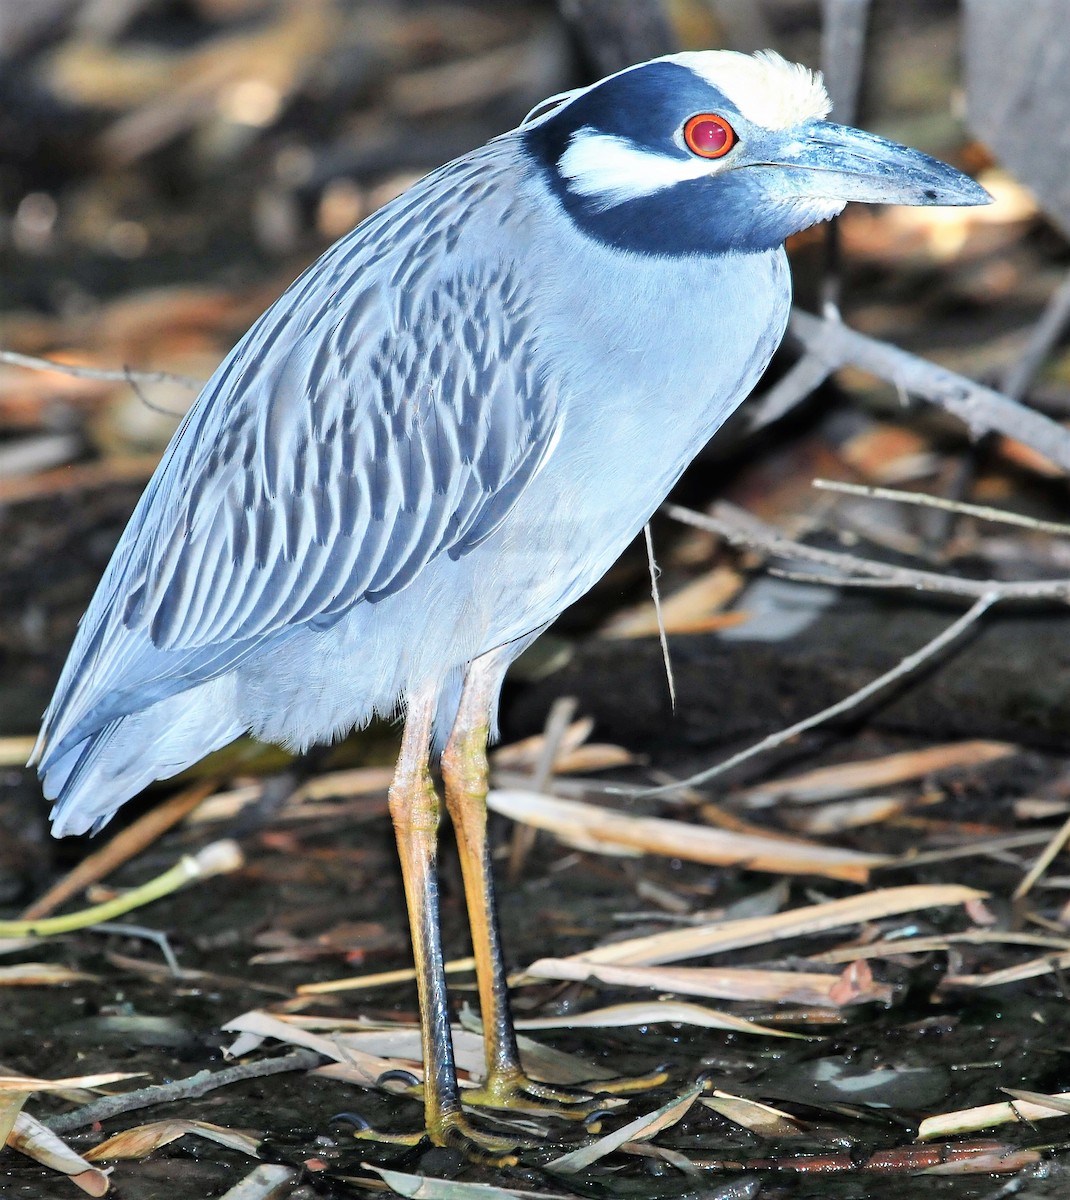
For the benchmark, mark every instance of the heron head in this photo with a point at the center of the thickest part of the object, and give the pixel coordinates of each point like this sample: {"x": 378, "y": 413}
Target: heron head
{"x": 714, "y": 151}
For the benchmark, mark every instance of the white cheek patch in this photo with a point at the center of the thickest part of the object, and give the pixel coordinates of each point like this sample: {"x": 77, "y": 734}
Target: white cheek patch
{"x": 611, "y": 169}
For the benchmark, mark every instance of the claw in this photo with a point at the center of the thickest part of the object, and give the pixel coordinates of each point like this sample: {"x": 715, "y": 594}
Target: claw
{"x": 479, "y": 1147}
{"x": 399, "y": 1075}
{"x": 367, "y": 1134}
{"x": 593, "y": 1121}
{"x": 455, "y": 1132}
{"x": 350, "y": 1118}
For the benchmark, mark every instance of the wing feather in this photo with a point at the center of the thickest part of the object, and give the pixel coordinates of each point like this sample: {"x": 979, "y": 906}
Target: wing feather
{"x": 386, "y": 410}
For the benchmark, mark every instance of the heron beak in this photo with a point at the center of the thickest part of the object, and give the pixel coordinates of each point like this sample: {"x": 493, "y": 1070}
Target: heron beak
{"x": 836, "y": 162}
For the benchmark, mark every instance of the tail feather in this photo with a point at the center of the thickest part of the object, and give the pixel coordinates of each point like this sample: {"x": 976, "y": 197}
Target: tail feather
{"x": 90, "y": 781}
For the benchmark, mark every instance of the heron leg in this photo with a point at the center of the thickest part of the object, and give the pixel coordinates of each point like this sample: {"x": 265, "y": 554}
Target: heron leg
{"x": 415, "y": 812}
{"x": 466, "y": 778}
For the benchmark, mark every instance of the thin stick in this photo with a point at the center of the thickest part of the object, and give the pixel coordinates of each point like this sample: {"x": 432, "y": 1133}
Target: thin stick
{"x": 742, "y": 528}
{"x": 898, "y": 672}
{"x": 1053, "y": 848}
{"x": 982, "y": 409}
{"x": 359, "y": 982}
{"x": 182, "y": 1089}
{"x": 961, "y": 507}
{"x": 557, "y": 722}
{"x": 843, "y": 62}
{"x": 806, "y": 375}
{"x": 105, "y": 375}
{"x": 1045, "y": 334}
{"x": 655, "y": 595}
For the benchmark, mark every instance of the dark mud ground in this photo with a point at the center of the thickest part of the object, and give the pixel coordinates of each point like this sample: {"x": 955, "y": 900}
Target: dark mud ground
{"x": 947, "y": 1053}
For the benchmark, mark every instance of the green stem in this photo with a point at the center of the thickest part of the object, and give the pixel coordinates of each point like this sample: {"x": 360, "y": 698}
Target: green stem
{"x": 214, "y": 859}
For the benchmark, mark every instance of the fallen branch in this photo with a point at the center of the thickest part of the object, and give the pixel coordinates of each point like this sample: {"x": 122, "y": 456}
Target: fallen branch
{"x": 828, "y": 344}
{"x": 1044, "y": 337}
{"x": 743, "y": 529}
{"x": 983, "y": 512}
{"x": 900, "y": 671}
{"x": 190, "y": 1088}
{"x": 982, "y": 409}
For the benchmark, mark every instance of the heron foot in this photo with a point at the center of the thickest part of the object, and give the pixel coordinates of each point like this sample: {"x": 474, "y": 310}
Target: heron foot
{"x": 455, "y": 1131}
{"x": 517, "y": 1092}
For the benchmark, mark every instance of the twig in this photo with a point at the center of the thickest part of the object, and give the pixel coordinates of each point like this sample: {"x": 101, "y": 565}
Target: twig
{"x": 1046, "y": 333}
{"x": 106, "y": 375}
{"x": 182, "y": 1089}
{"x": 843, "y": 60}
{"x": 742, "y": 529}
{"x": 557, "y": 722}
{"x": 900, "y": 671}
{"x": 1051, "y": 850}
{"x": 843, "y": 44}
{"x": 805, "y": 376}
{"x": 982, "y": 409}
{"x": 655, "y": 595}
{"x": 961, "y": 507}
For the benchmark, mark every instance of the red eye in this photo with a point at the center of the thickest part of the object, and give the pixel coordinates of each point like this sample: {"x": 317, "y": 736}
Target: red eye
{"x": 709, "y": 136}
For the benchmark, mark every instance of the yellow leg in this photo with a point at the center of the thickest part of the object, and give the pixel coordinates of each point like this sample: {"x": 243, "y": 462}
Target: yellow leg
{"x": 414, "y": 809}
{"x": 465, "y": 775}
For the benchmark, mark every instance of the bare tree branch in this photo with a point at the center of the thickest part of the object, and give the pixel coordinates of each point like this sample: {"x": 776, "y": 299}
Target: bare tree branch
{"x": 961, "y": 508}
{"x": 743, "y": 529}
{"x": 982, "y": 409}
{"x": 118, "y": 375}
{"x": 1046, "y": 333}
{"x": 900, "y": 671}
{"x": 182, "y": 1089}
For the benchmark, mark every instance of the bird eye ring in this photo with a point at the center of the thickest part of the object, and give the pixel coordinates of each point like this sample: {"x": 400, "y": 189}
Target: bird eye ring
{"x": 709, "y": 136}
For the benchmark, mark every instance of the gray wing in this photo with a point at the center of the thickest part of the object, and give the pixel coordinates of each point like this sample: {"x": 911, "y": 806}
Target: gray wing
{"x": 386, "y": 410}
{"x": 348, "y": 465}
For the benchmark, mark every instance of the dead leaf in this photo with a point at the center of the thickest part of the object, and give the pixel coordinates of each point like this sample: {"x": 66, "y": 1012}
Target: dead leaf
{"x": 42, "y": 975}
{"x": 420, "y": 1187}
{"x": 142, "y": 1140}
{"x": 13, "y": 1084}
{"x": 652, "y": 1012}
{"x": 38, "y": 1142}
{"x": 845, "y": 779}
{"x": 758, "y": 1118}
{"x": 604, "y": 830}
{"x": 968, "y": 1120}
{"x": 722, "y": 936}
{"x": 723, "y": 983}
{"x": 638, "y": 1130}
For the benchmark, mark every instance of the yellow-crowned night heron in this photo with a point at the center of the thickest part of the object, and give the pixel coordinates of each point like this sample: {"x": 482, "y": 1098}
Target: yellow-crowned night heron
{"x": 441, "y": 435}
